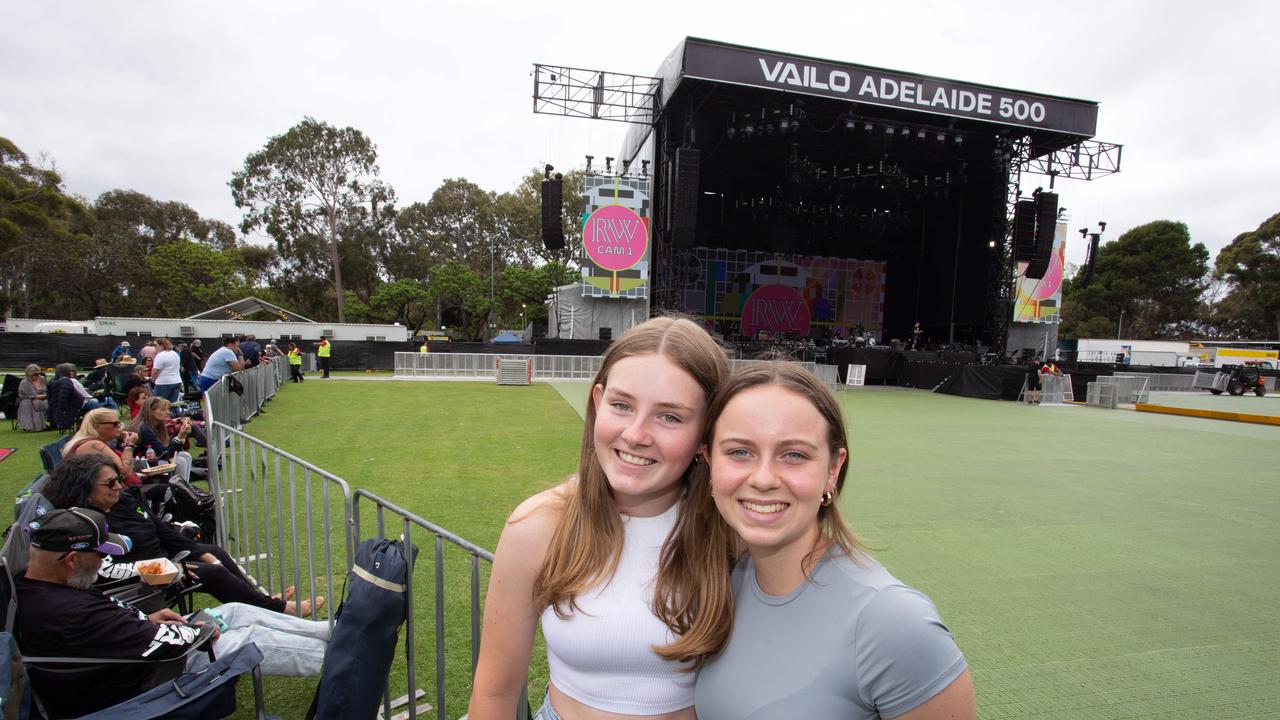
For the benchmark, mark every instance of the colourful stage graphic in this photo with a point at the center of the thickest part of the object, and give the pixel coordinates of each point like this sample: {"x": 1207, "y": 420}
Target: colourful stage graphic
{"x": 615, "y": 236}
{"x": 1040, "y": 301}
{"x": 751, "y": 293}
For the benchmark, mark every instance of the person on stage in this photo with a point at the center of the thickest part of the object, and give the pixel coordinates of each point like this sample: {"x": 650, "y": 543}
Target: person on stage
{"x": 820, "y": 630}
{"x": 631, "y": 586}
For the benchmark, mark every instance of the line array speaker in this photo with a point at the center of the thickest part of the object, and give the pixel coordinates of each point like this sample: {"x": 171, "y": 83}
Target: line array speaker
{"x": 1024, "y": 230}
{"x": 1046, "y": 224}
{"x": 552, "y": 228}
{"x": 684, "y": 215}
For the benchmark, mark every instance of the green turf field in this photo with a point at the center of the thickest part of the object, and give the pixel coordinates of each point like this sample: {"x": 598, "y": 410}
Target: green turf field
{"x": 1091, "y": 563}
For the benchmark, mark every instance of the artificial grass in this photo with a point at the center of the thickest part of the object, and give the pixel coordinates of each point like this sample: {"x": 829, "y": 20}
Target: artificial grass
{"x": 1091, "y": 563}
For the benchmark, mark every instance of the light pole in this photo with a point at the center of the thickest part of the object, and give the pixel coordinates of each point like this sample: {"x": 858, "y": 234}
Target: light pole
{"x": 522, "y": 325}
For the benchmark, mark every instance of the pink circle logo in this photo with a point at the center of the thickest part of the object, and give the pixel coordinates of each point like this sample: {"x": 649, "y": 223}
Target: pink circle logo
{"x": 615, "y": 237}
{"x": 775, "y": 309}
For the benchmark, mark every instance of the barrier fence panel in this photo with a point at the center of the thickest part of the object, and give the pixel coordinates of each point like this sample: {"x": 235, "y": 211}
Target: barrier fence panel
{"x": 280, "y": 516}
{"x": 260, "y": 384}
{"x": 1055, "y": 389}
{"x": 1165, "y": 382}
{"x": 545, "y": 367}
{"x": 388, "y": 518}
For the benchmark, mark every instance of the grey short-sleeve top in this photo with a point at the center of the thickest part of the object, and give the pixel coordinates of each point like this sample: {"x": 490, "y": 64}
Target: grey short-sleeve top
{"x": 852, "y": 642}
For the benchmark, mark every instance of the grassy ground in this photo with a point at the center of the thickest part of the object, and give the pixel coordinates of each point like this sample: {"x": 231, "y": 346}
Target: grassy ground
{"x": 1091, "y": 563}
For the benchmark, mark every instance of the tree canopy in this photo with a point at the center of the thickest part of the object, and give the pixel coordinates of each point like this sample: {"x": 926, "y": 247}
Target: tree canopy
{"x": 305, "y": 188}
{"x": 1250, "y": 269}
{"x": 1147, "y": 284}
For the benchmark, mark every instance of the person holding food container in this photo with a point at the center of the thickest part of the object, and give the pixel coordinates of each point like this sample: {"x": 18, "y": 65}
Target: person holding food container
{"x": 93, "y": 481}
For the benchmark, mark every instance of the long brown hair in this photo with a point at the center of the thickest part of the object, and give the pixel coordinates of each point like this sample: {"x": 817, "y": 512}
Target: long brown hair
{"x": 145, "y": 412}
{"x": 692, "y": 595}
{"x": 794, "y": 377}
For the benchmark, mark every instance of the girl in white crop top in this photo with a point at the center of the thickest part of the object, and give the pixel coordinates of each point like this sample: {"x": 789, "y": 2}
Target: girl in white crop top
{"x": 631, "y": 587}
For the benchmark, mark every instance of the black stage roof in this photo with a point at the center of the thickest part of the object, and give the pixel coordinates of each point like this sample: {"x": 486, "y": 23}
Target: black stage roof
{"x": 1051, "y": 122}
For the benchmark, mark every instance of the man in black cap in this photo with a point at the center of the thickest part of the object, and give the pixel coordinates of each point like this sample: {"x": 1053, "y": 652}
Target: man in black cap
{"x": 59, "y": 614}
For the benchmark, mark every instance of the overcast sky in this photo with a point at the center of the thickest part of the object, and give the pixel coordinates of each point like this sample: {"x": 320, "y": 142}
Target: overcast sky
{"x": 168, "y": 97}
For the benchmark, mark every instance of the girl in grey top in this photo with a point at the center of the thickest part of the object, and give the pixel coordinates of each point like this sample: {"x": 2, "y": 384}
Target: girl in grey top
{"x": 820, "y": 630}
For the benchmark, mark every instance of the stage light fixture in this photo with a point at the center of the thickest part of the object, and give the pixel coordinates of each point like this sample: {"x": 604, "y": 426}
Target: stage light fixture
{"x": 1102, "y": 226}
{"x": 731, "y": 132}
{"x": 941, "y": 137}
{"x": 991, "y": 243}
{"x": 784, "y": 125}
{"x": 608, "y": 166}
{"x": 959, "y": 140}
{"x": 906, "y": 132}
{"x": 589, "y": 159}
{"x": 920, "y": 134}
{"x": 850, "y": 124}
{"x": 749, "y": 130}
{"x": 889, "y": 130}
{"x": 1084, "y": 232}
{"x": 644, "y": 168}
{"x": 868, "y": 127}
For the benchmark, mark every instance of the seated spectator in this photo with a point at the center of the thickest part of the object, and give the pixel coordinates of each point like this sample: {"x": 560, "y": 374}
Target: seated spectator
{"x": 166, "y": 371}
{"x": 138, "y": 375}
{"x": 121, "y": 349}
{"x": 136, "y": 396}
{"x": 59, "y": 614}
{"x": 33, "y": 400}
{"x": 97, "y": 376}
{"x": 101, "y": 434}
{"x": 94, "y": 482}
{"x": 225, "y": 359}
{"x": 151, "y": 422}
{"x": 87, "y": 401}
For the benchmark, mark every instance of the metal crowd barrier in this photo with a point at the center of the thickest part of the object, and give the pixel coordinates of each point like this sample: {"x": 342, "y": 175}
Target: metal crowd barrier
{"x": 289, "y": 522}
{"x": 260, "y": 385}
{"x": 545, "y": 367}
{"x": 1130, "y": 390}
{"x": 279, "y": 515}
{"x": 403, "y": 524}
{"x": 1164, "y": 382}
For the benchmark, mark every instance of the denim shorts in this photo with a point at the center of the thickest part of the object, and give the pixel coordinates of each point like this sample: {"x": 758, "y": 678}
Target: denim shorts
{"x": 546, "y": 712}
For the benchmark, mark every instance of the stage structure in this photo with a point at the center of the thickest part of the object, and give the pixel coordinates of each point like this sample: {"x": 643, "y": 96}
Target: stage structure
{"x": 793, "y": 197}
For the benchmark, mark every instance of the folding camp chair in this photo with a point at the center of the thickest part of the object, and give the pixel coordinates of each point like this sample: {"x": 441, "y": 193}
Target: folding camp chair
{"x": 9, "y": 399}
{"x": 175, "y": 687}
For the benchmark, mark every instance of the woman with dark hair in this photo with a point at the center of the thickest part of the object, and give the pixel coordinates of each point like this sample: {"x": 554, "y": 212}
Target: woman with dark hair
{"x": 80, "y": 482}
{"x": 32, "y": 400}
{"x": 820, "y": 630}
{"x": 628, "y": 578}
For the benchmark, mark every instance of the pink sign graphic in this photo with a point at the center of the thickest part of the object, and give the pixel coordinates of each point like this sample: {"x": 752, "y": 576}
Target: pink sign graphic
{"x": 615, "y": 237}
{"x": 775, "y": 309}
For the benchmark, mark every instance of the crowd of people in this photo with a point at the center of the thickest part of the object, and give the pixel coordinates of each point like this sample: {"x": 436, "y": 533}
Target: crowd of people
{"x": 92, "y": 531}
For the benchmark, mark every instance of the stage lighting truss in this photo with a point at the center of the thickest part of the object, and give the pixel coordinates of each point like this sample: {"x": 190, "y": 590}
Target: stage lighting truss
{"x": 596, "y": 94}
{"x": 1086, "y": 160}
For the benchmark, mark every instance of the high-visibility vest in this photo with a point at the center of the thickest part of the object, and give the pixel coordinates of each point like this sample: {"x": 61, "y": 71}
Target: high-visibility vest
{"x": 322, "y": 349}
{"x": 295, "y": 357}
{"x": 424, "y": 349}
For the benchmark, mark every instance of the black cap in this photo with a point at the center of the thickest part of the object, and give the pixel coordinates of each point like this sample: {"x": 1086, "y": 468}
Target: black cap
{"x": 77, "y": 529}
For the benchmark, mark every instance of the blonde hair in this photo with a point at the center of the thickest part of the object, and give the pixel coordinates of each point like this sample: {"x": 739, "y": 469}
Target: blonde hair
{"x": 692, "y": 595}
{"x": 794, "y": 377}
{"x": 89, "y": 427}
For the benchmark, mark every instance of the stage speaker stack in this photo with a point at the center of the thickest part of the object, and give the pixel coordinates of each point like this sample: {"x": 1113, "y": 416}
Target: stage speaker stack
{"x": 552, "y": 228}
{"x": 1046, "y": 225}
{"x": 1024, "y": 230}
{"x": 684, "y": 214}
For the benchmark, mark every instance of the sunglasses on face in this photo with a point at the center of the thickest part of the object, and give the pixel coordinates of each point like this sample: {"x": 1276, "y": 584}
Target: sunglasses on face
{"x": 116, "y": 423}
{"x": 117, "y": 481}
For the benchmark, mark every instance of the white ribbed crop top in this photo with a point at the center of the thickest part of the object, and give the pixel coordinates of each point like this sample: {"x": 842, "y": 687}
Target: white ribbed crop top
{"x": 602, "y": 654}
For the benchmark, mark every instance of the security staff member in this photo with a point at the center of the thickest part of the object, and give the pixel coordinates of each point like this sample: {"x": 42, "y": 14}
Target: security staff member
{"x": 322, "y": 352}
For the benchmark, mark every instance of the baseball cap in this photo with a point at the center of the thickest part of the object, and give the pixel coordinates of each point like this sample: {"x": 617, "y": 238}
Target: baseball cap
{"x": 125, "y": 343}
{"x": 77, "y": 529}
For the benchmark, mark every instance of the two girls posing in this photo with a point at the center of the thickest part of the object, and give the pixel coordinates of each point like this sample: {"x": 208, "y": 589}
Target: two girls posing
{"x": 698, "y": 561}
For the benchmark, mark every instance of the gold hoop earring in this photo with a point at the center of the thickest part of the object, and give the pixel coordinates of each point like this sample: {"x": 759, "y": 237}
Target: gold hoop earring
{"x": 828, "y": 497}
